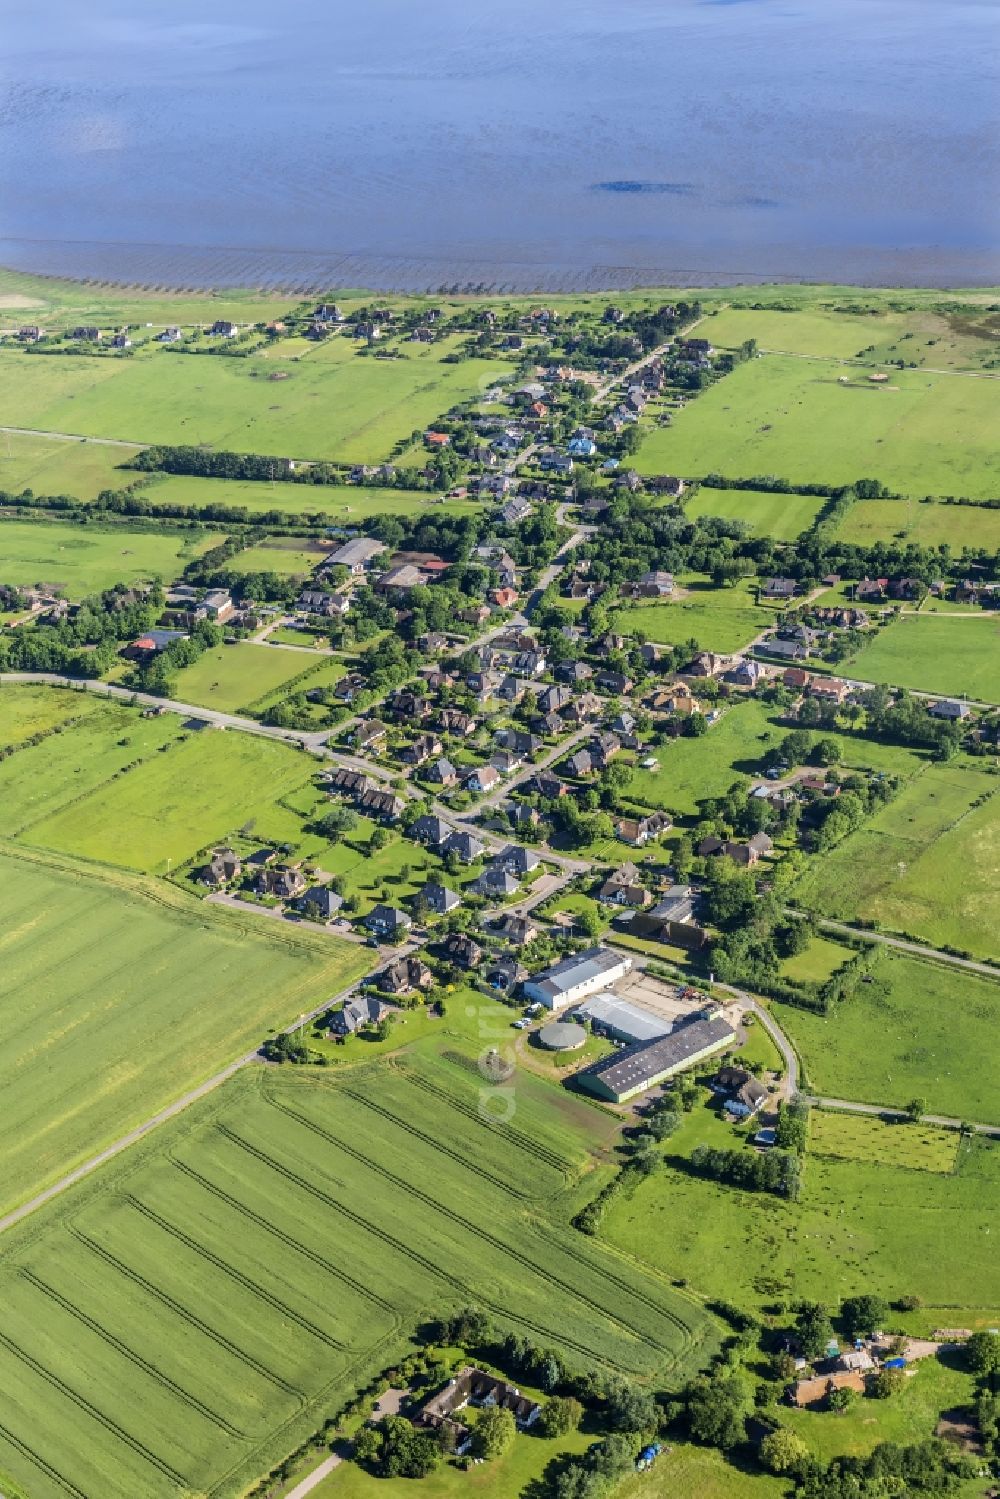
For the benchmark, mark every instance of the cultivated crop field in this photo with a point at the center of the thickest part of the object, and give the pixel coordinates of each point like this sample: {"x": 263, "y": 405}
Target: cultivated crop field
{"x": 79, "y": 560}
{"x": 782, "y": 516}
{"x": 202, "y": 788}
{"x": 926, "y": 864}
{"x": 912, "y": 1032}
{"x": 210, "y": 1289}
{"x": 920, "y": 433}
{"x": 352, "y": 407}
{"x": 118, "y": 995}
{"x": 934, "y": 653}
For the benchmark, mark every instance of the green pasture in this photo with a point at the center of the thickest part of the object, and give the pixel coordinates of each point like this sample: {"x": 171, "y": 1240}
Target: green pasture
{"x": 343, "y": 504}
{"x": 933, "y": 653}
{"x": 781, "y": 516}
{"x": 720, "y": 619}
{"x": 859, "y": 1226}
{"x": 120, "y": 995}
{"x": 82, "y": 559}
{"x": 918, "y": 1030}
{"x": 920, "y": 433}
{"x": 926, "y": 864}
{"x": 815, "y": 963}
{"x": 808, "y": 330}
{"x": 689, "y": 770}
{"x": 52, "y": 466}
{"x": 930, "y": 525}
{"x": 353, "y": 407}
{"x": 25, "y": 711}
{"x": 291, "y": 561}
{"x": 859, "y": 1137}
{"x": 231, "y": 677}
{"x": 202, "y": 788}
{"x": 208, "y": 1288}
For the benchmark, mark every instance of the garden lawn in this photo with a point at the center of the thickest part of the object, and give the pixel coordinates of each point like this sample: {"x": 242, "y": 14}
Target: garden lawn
{"x": 52, "y": 466}
{"x": 920, "y": 433}
{"x": 204, "y": 1286}
{"x": 859, "y": 1226}
{"x": 781, "y": 516}
{"x": 934, "y": 653}
{"x": 82, "y": 559}
{"x": 353, "y": 408}
{"x": 119, "y": 995}
{"x": 235, "y": 677}
{"x": 926, "y": 864}
{"x": 920, "y": 1030}
{"x": 719, "y": 619}
{"x": 202, "y": 788}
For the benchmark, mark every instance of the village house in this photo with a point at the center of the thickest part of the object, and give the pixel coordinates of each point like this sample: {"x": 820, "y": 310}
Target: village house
{"x": 405, "y": 975}
{"x": 368, "y": 734}
{"x": 443, "y": 773}
{"x": 462, "y": 950}
{"x": 464, "y": 846}
{"x": 283, "y": 881}
{"x": 637, "y": 831}
{"x": 387, "y": 921}
{"x": 744, "y": 1095}
{"x": 421, "y": 750}
{"x": 222, "y": 869}
{"x": 820, "y": 1387}
{"x": 474, "y": 1387}
{"x": 706, "y": 664}
{"x": 439, "y": 900}
{"x": 830, "y": 689}
{"x": 430, "y": 830}
{"x": 364, "y": 1010}
{"x": 319, "y": 904}
{"x": 624, "y": 888}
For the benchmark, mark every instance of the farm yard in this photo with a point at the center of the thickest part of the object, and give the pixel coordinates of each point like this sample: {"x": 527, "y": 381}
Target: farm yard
{"x": 79, "y": 560}
{"x": 119, "y": 995}
{"x": 345, "y": 405}
{"x": 255, "y": 1205}
{"x": 920, "y": 434}
{"x": 908, "y": 1033}
{"x": 931, "y": 653}
{"x": 925, "y": 865}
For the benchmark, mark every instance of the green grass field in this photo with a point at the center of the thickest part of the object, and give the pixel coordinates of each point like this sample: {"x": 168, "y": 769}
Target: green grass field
{"x": 231, "y": 677}
{"x": 205, "y": 787}
{"x": 921, "y": 433}
{"x": 855, "y": 1137}
{"x": 720, "y": 619}
{"x": 920, "y": 1030}
{"x": 782, "y": 516}
{"x": 691, "y": 769}
{"x": 870, "y": 521}
{"x": 25, "y": 711}
{"x": 859, "y": 1226}
{"x": 926, "y": 864}
{"x": 287, "y": 561}
{"x": 51, "y": 466}
{"x": 344, "y": 504}
{"x": 816, "y": 963}
{"x": 932, "y": 653}
{"x": 208, "y": 1288}
{"x": 119, "y": 995}
{"x": 809, "y": 330}
{"x": 79, "y": 560}
{"x": 343, "y": 405}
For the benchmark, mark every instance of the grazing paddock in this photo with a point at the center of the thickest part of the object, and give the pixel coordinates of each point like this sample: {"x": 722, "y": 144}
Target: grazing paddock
{"x": 26, "y": 711}
{"x": 957, "y": 526}
{"x": 918, "y": 1030}
{"x": 926, "y": 864}
{"x": 51, "y": 466}
{"x": 344, "y": 504}
{"x": 287, "y": 561}
{"x": 203, "y": 788}
{"x": 118, "y": 995}
{"x": 933, "y": 653}
{"x": 859, "y": 1226}
{"x": 352, "y": 407}
{"x": 207, "y": 1289}
{"x": 808, "y": 330}
{"x": 859, "y": 1137}
{"x": 815, "y": 963}
{"x": 781, "y": 516}
{"x": 234, "y": 677}
{"x": 920, "y": 433}
{"x": 79, "y": 560}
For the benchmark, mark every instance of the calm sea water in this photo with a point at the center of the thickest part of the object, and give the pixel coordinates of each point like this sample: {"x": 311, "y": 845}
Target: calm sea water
{"x": 507, "y": 143}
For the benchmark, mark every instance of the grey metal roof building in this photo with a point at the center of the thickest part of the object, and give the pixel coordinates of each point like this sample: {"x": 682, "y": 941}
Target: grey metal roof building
{"x": 576, "y": 977}
{"x": 639, "y": 1067}
{"x": 624, "y": 1021}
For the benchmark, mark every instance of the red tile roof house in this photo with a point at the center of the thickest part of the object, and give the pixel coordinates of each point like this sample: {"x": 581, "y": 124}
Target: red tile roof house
{"x": 437, "y": 439}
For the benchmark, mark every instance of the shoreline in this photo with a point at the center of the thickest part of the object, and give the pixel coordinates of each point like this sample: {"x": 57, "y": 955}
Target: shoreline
{"x": 271, "y": 271}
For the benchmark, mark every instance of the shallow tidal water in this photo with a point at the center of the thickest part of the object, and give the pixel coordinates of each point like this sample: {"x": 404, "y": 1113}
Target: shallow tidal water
{"x": 545, "y": 145}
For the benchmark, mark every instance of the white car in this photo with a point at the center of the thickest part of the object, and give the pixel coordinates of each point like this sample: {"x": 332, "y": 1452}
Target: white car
{"x": 521, "y": 1025}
